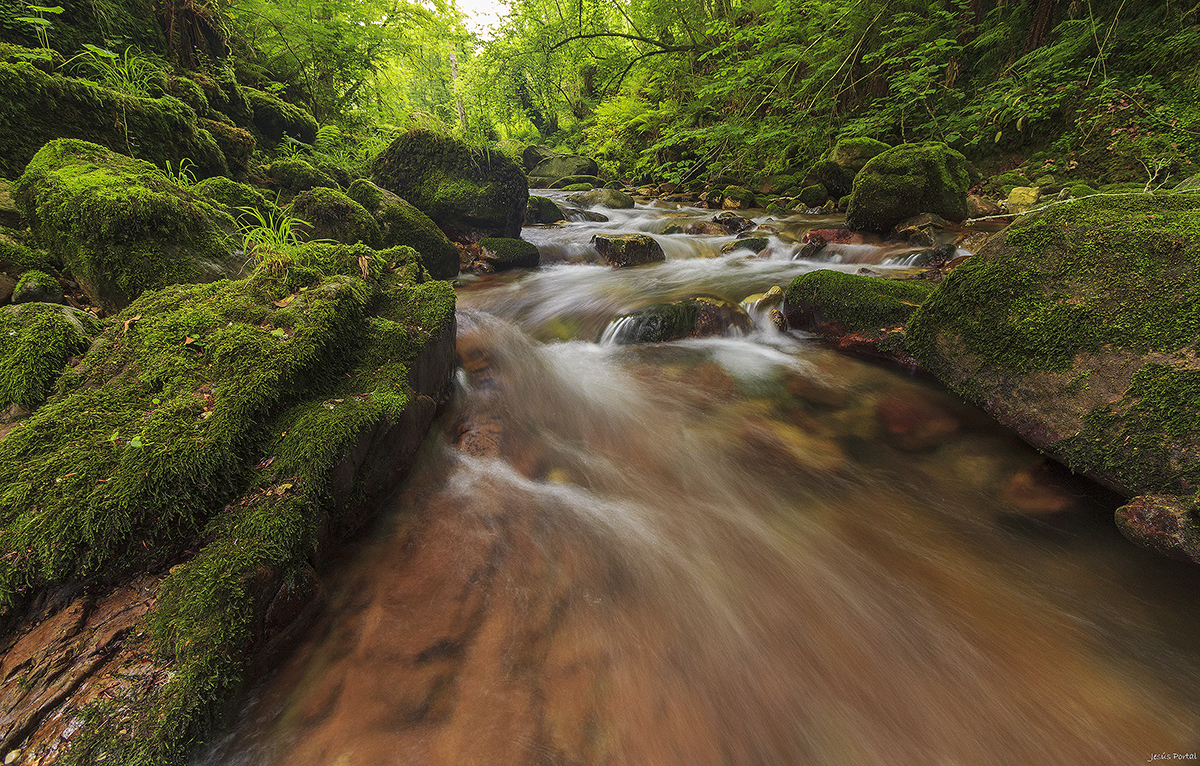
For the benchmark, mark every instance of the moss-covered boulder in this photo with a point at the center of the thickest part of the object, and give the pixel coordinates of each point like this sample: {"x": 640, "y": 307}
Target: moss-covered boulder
{"x": 853, "y": 154}
{"x": 37, "y": 287}
{"x": 294, "y": 175}
{"x": 835, "y": 181}
{"x": 402, "y": 224}
{"x": 835, "y": 304}
{"x": 542, "y": 210}
{"x": 36, "y": 107}
{"x": 628, "y": 249}
{"x": 237, "y": 144}
{"x": 36, "y": 340}
{"x": 119, "y": 225}
{"x": 231, "y": 195}
{"x": 9, "y": 214}
{"x": 330, "y": 214}
{"x": 503, "y": 254}
{"x": 697, "y": 317}
{"x": 612, "y": 198}
{"x": 532, "y": 155}
{"x": 564, "y": 165}
{"x": 214, "y": 441}
{"x": 469, "y": 193}
{"x": 275, "y": 118}
{"x": 813, "y": 196}
{"x": 755, "y": 245}
{"x": 565, "y": 181}
{"x": 1077, "y": 328}
{"x": 906, "y": 180}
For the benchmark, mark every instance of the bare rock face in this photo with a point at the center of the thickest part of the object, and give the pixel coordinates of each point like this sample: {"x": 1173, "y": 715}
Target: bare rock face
{"x": 1076, "y": 328}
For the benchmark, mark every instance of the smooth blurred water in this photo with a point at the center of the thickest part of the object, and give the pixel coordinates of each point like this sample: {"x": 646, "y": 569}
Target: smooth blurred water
{"x": 732, "y": 550}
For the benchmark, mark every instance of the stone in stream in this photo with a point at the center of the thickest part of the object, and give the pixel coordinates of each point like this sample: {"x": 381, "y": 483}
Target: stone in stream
{"x": 611, "y": 198}
{"x": 905, "y": 181}
{"x": 542, "y": 210}
{"x": 732, "y": 223}
{"x": 834, "y": 303}
{"x": 1076, "y": 327}
{"x": 628, "y": 249}
{"x": 755, "y": 245}
{"x": 915, "y": 423}
{"x": 1165, "y": 524}
{"x": 576, "y": 215}
{"x": 503, "y": 254}
{"x": 697, "y": 317}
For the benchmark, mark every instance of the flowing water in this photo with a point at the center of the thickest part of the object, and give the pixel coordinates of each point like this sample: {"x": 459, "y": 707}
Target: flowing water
{"x": 737, "y": 550}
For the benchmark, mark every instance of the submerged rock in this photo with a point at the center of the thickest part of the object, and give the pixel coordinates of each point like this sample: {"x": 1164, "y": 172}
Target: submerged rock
{"x": 469, "y": 194}
{"x": 628, "y": 249}
{"x": 697, "y": 317}
{"x": 1076, "y": 327}
{"x": 906, "y": 180}
{"x": 120, "y": 225}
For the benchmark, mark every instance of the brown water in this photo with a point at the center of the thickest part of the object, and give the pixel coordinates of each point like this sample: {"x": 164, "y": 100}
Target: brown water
{"x": 744, "y": 550}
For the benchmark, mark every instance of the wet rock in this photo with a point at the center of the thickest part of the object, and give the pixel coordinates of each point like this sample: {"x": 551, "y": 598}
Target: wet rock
{"x": 834, "y": 179}
{"x": 737, "y": 198}
{"x": 565, "y": 181}
{"x": 914, "y": 422}
{"x": 921, "y": 230}
{"x": 1079, "y": 344}
{"x": 815, "y": 244}
{"x": 934, "y": 258}
{"x": 295, "y": 175}
{"x": 504, "y": 254}
{"x": 611, "y": 198}
{"x": 1166, "y": 524}
{"x": 7, "y": 285}
{"x": 908, "y": 180}
{"x": 841, "y": 236}
{"x": 120, "y": 225}
{"x": 542, "y": 210}
{"x": 697, "y": 317}
{"x": 705, "y": 229}
{"x": 813, "y": 196}
{"x": 628, "y": 249}
{"x": 468, "y": 193}
{"x": 755, "y": 245}
{"x": 778, "y": 320}
{"x": 575, "y": 214}
{"x": 732, "y": 223}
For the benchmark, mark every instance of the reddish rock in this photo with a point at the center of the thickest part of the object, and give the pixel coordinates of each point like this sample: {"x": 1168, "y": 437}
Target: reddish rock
{"x": 915, "y": 423}
{"x": 1165, "y": 524}
{"x": 840, "y": 236}
{"x": 1038, "y": 490}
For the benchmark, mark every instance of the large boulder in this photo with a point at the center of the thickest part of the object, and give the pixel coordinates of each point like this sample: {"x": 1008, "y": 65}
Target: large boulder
{"x": 469, "y": 193}
{"x": 611, "y": 198}
{"x": 39, "y": 107}
{"x": 532, "y": 155}
{"x": 853, "y": 154}
{"x": 1076, "y": 327}
{"x": 119, "y": 225}
{"x": 835, "y": 304}
{"x": 562, "y": 165}
{"x": 503, "y": 254}
{"x": 161, "y": 512}
{"x": 402, "y": 224}
{"x": 906, "y": 180}
{"x": 275, "y": 118}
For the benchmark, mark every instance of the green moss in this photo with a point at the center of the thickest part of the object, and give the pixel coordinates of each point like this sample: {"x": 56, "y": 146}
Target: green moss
{"x": 853, "y": 153}
{"x": 1081, "y": 190}
{"x": 146, "y": 451}
{"x": 333, "y": 215}
{"x": 366, "y": 194}
{"x": 837, "y": 303}
{"x": 813, "y": 196}
{"x": 1099, "y": 271}
{"x": 469, "y": 193}
{"x": 907, "y": 180}
{"x": 402, "y": 224}
{"x": 230, "y": 195}
{"x": 509, "y": 253}
{"x": 16, "y": 256}
{"x": 565, "y": 181}
{"x": 119, "y": 224}
{"x": 274, "y": 118}
{"x": 36, "y": 339}
{"x": 296, "y": 175}
{"x": 36, "y": 107}
{"x": 236, "y": 144}
{"x": 37, "y": 282}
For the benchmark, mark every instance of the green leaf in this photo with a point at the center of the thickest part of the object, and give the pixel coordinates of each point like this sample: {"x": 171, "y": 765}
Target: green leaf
{"x": 45, "y": 9}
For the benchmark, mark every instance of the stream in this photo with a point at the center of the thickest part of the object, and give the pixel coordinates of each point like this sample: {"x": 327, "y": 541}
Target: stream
{"x": 745, "y": 549}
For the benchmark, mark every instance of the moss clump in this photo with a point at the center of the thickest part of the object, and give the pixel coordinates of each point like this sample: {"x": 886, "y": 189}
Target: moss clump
{"x": 813, "y": 196}
{"x": 854, "y": 153}
{"x": 1081, "y": 190}
{"x": 231, "y": 195}
{"x": 565, "y": 181}
{"x": 330, "y": 214}
{"x": 236, "y": 144}
{"x": 907, "y": 180}
{"x": 146, "y": 451}
{"x": 296, "y": 175}
{"x": 16, "y": 256}
{"x": 505, "y": 253}
{"x": 402, "y": 224}
{"x": 36, "y": 107}
{"x": 36, "y": 339}
{"x": 833, "y": 179}
{"x": 275, "y": 118}
{"x": 37, "y": 287}
{"x": 834, "y": 303}
{"x": 470, "y": 194}
{"x": 119, "y": 224}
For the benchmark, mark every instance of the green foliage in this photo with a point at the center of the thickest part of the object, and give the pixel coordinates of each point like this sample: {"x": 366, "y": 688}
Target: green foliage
{"x": 129, "y": 73}
{"x": 270, "y": 233}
